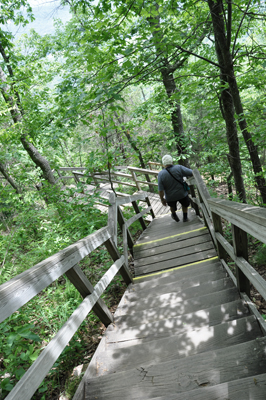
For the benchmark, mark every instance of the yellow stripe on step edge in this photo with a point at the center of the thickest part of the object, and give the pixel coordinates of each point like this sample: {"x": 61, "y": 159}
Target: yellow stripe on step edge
{"x": 169, "y": 237}
{"x": 173, "y": 269}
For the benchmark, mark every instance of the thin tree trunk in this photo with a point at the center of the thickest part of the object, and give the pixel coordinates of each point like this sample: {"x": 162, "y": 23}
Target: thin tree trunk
{"x": 223, "y": 39}
{"x": 10, "y": 179}
{"x": 16, "y": 114}
{"x": 136, "y": 149}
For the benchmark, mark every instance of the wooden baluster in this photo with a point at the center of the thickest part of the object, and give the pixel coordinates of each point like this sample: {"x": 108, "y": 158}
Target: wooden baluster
{"x": 134, "y": 176}
{"x": 114, "y": 253}
{"x": 240, "y": 244}
{"x": 85, "y": 288}
{"x": 121, "y": 222}
{"x": 193, "y": 194}
{"x": 112, "y": 217}
{"x": 149, "y": 205}
{"x": 217, "y": 223}
{"x": 137, "y": 210}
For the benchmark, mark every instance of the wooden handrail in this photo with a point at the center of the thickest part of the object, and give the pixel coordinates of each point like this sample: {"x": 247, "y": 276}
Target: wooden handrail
{"x": 22, "y": 288}
{"x": 104, "y": 176}
{"x": 244, "y": 219}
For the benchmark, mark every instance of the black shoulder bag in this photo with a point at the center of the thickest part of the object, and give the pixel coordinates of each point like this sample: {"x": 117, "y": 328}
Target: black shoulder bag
{"x": 185, "y": 185}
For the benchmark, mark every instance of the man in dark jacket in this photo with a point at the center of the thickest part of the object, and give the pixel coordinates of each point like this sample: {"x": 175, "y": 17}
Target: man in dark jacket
{"x": 171, "y": 189}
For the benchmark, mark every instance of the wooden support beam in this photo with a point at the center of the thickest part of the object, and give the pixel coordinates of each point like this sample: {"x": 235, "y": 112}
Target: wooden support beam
{"x": 217, "y": 223}
{"x": 85, "y": 288}
{"x": 137, "y": 211}
{"x": 114, "y": 253}
{"x": 121, "y": 222}
{"x": 112, "y": 217}
{"x": 193, "y": 194}
{"x": 240, "y": 244}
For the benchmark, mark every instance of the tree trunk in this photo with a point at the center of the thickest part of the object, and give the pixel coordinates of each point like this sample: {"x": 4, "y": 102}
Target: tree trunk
{"x": 10, "y": 179}
{"x": 136, "y": 149}
{"x": 167, "y": 73}
{"x": 15, "y": 111}
{"x": 227, "y": 68}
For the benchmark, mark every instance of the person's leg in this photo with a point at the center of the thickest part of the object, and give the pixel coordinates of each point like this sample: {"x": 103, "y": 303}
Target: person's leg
{"x": 173, "y": 209}
{"x": 185, "y": 203}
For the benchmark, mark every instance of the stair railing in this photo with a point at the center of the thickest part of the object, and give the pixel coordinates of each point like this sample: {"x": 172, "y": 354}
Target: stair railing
{"x": 244, "y": 219}
{"x": 22, "y": 288}
{"x": 126, "y": 179}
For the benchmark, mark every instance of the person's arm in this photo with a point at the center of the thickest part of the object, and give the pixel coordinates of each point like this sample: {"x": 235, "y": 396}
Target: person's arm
{"x": 161, "y": 194}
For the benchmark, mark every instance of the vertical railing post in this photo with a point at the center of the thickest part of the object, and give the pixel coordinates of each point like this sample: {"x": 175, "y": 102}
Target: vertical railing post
{"x": 217, "y": 224}
{"x": 137, "y": 211}
{"x": 121, "y": 222}
{"x": 193, "y": 194}
{"x": 240, "y": 244}
{"x": 135, "y": 180}
{"x": 112, "y": 217}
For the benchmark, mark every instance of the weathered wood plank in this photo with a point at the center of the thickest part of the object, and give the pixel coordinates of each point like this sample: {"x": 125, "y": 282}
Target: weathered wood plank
{"x": 240, "y": 244}
{"x": 172, "y": 347}
{"x": 131, "y": 220}
{"x": 173, "y": 254}
{"x": 28, "y": 384}
{"x": 250, "y": 219}
{"x": 249, "y": 388}
{"x": 143, "y": 171}
{"x": 254, "y": 277}
{"x": 19, "y": 290}
{"x": 180, "y": 376}
{"x": 137, "y": 211}
{"x": 175, "y": 297}
{"x": 172, "y": 263}
{"x": 170, "y": 240}
{"x": 114, "y": 253}
{"x": 83, "y": 285}
{"x": 165, "y": 248}
{"x": 129, "y": 199}
{"x": 184, "y": 306}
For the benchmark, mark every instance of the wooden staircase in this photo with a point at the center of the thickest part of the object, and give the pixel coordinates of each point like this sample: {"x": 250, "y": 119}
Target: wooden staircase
{"x": 181, "y": 331}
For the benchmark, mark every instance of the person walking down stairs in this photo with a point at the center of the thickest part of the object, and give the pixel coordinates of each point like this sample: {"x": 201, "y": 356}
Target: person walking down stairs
{"x": 171, "y": 188}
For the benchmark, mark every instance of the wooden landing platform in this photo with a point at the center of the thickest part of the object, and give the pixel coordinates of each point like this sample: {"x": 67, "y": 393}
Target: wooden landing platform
{"x": 181, "y": 331}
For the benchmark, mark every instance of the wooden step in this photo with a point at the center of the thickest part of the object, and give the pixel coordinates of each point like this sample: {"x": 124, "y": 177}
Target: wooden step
{"x": 174, "y": 239}
{"x": 250, "y": 388}
{"x": 112, "y": 357}
{"x": 179, "y": 376}
{"x": 183, "y": 259}
{"x": 183, "y": 272}
{"x": 174, "y": 253}
{"x": 164, "y": 285}
{"x": 185, "y": 307}
{"x": 179, "y": 242}
{"x": 161, "y": 328}
{"x": 170, "y": 291}
{"x": 166, "y": 227}
{"x": 132, "y": 304}
{"x": 210, "y": 316}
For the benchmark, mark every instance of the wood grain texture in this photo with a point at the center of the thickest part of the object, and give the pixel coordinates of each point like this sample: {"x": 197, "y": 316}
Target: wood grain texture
{"x": 207, "y": 369}
{"x": 185, "y": 307}
{"x": 175, "y": 262}
{"x": 19, "y": 290}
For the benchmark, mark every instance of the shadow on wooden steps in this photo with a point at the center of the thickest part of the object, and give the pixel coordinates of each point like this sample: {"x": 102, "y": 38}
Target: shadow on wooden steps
{"x": 179, "y": 334}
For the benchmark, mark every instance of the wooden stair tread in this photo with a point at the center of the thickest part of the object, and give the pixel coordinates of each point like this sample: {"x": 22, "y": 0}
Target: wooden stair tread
{"x": 140, "y": 252}
{"x": 164, "y": 327}
{"x": 164, "y": 285}
{"x": 250, "y": 388}
{"x": 173, "y": 298}
{"x": 171, "y": 290}
{"x": 121, "y": 356}
{"x": 210, "y": 316}
{"x": 178, "y": 376}
{"x": 188, "y": 271}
